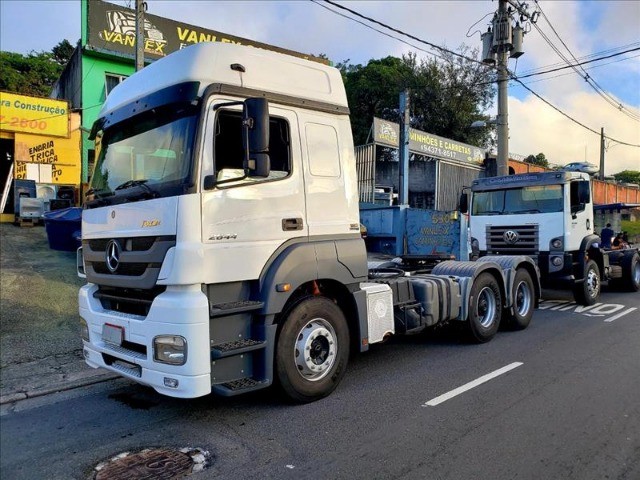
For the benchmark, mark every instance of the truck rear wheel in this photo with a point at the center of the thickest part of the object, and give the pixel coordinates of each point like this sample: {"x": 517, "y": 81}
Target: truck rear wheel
{"x": 631, "y": 272}
{"x": 523, "y": 301}
{"x": 485, "y": 309}
{"x": 312, "y": 350}
{"x": 588, "y": 292}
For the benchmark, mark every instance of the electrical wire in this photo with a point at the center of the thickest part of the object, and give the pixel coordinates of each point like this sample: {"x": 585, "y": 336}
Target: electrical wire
{"x": 570, "y": 117}
{"x": 591, "y": 81}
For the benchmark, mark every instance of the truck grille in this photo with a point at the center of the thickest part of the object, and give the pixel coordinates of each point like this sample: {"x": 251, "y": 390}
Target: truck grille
{"x": 138, "y": 264}
{"x": 513, "y": 240}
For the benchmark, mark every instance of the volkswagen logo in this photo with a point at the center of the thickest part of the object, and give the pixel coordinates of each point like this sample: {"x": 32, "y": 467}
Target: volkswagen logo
{"x": 112, "y": 255}
{"x": 510, "y": 237}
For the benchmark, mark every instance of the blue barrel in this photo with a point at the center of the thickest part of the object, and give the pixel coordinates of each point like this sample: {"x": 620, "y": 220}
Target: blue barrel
{"x": 62, "y": 228}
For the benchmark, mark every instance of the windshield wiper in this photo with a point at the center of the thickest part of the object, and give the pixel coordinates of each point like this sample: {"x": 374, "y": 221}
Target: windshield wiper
{"x": 138, "y": 183}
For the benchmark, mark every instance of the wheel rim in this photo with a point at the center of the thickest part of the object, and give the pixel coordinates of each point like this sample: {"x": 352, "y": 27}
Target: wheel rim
{"x": 315, "y": 349}
{"x": 523, "y": 299}
{"x": 593, "y": 283}
{"x": 636, "y": 273}
{"x": 486, "y": 307}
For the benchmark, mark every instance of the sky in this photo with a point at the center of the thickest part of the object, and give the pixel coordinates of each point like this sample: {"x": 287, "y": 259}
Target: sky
{"x": 587, "y": 27}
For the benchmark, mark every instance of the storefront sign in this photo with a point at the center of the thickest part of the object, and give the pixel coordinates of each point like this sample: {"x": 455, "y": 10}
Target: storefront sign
{"x": 42, "y": 116}
{"x": 47, "y": 159}
{"x": 112, "y": 28}
{"x": 388, "y": 134}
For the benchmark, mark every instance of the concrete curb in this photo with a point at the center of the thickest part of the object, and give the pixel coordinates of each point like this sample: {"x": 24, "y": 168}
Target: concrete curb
{"x": 70, "y": 384}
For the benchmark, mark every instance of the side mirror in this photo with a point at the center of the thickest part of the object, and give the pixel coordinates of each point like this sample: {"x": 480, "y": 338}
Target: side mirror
{"x": 255, "y": 138}
{"x": 464, "y": 203}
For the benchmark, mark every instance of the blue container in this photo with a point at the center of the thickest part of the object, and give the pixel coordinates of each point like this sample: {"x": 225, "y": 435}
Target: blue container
{"x": 62, "y": 228}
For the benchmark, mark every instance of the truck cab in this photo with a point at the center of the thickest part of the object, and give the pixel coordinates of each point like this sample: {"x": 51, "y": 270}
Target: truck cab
{"x": 549, "y": 217}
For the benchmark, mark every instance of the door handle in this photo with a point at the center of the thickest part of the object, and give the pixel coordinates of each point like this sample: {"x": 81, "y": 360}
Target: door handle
{"x": 289, "y": 224}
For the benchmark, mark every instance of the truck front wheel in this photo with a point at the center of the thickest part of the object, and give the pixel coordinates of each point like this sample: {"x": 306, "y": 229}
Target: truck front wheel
{"x": 588, "y": 292}
{"x": 523, "y": 301}
{"x": 485, "y": 308}
{"x": 312, "y": 350}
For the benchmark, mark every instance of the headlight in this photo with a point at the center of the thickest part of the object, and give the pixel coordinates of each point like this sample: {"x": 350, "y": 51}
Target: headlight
{"x": 84, "y": 330}
{"x": 171, "y": 349}
{"x": 556, "y": 243}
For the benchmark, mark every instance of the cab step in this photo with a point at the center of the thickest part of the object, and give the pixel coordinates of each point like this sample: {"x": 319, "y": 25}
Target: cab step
{"x": 231, "y": 308}
{"x": 237, "y": 347}
{"x": 240, "y": 386}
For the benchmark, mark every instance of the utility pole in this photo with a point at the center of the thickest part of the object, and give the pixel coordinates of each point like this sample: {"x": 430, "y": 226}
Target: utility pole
{"x": 501, "y": 42}
{"x": 405, "y": 119}
{"x": 140, "y": 7}
{"x": 601, "y": 174}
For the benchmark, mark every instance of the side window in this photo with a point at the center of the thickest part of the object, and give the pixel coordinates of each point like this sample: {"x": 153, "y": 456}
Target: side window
{"x": 323, "y": 150}
{"x": 229, "y": 155}
{"x": 580, "y": 196}
{"x": 111, "y": 81}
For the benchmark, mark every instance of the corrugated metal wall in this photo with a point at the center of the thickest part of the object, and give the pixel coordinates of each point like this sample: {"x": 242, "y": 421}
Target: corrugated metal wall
{"x": 366, "y": 168}
{"x": 451, "y": 179}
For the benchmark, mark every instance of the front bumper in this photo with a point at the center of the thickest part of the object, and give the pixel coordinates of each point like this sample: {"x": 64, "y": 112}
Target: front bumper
{"x": 180, "y": 311}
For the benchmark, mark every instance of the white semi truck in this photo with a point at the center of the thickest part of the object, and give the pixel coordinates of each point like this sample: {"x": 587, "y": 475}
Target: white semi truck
{"x": 221, "y": 236}
{"x": 548, "y": 216}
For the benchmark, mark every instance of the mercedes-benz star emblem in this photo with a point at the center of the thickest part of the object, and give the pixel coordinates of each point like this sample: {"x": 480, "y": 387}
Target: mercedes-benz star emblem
{"x": 112, "y": 255}
{"x": 510, "y": 237}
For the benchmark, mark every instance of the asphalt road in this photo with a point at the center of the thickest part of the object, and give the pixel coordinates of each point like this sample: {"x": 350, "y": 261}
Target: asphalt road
{"x": 566, "y": 407}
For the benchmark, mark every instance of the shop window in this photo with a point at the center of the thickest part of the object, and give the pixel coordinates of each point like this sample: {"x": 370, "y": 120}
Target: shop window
{"x": 111, "y": 80}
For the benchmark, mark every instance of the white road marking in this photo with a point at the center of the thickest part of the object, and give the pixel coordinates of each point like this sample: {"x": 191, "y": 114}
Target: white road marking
{"x": 621, "y": 314}
{"x": 468, "y": 386}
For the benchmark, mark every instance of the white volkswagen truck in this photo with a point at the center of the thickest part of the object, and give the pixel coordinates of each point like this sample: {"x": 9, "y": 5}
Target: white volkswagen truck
{"x": 548, "y": 216}
{"x": 221, "y": 237}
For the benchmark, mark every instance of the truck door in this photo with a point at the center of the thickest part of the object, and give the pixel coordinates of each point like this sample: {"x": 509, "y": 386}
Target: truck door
{"x": 245, "y": 220}
{"x": 329, "y": 174}
{"x": 581, "y": 218}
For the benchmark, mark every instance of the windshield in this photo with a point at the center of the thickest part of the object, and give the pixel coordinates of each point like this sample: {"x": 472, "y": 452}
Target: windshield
{"x": 538, "y": 199}
{"x": 148, "y": 154}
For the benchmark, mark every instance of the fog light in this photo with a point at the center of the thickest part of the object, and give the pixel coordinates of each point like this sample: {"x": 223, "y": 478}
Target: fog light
{"x": 556, "y": 261}
{"x": 171, "y": 349}
{"x": 84, "y": 330}
{"x": 171, "y": 382}
{"x": 556, "y": 243}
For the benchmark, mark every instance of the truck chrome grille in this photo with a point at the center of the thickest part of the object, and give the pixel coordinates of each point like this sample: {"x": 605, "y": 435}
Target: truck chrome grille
{"x": 513, "y": 240}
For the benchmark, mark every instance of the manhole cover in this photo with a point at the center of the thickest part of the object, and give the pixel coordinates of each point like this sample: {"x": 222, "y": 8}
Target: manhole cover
{"x": 162, "y": 463}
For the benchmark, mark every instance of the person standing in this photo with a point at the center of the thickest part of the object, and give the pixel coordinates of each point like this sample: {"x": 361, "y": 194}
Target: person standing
{"x": 606, "y": 235}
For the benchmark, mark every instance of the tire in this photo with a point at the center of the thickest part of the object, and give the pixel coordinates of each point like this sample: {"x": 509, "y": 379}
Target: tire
{"x": 631, "y": 273}
{"x": 485, "y": 309}
{"x": 523, "y": 301}
{"x": 315, "y": 325}
{"x": 588, "y": 291}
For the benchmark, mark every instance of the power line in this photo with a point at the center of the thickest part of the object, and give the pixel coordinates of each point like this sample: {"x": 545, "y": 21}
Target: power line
{"x": 413, "y": 37}
{"x": 573, "y": 65}
{"x": 592, "y": 83}
{"x": 570, "y": 117}
{"x": 513, "y": 77}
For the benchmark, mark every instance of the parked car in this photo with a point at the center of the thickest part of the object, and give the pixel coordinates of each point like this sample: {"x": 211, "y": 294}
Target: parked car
{"x": 584, "y": 167}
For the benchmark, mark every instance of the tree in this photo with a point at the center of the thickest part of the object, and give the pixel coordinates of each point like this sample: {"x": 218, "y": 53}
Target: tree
{"x": 62, "y": 52}
{"x": 34, "y": 73}
{"x": 446, "y": 95}
{"x": 539, "y": 159}
{"x": 628, "y": 176}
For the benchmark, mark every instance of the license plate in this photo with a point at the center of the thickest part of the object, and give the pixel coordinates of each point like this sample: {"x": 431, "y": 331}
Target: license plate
{"x": 112, "y": 334}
